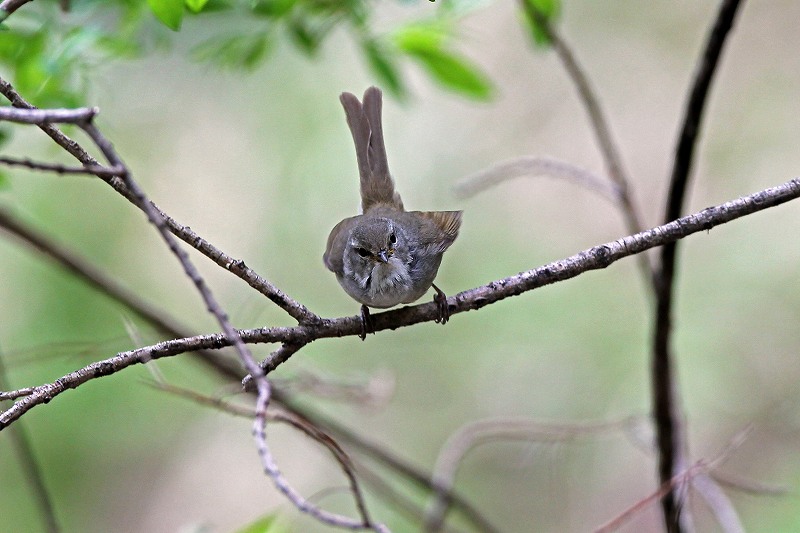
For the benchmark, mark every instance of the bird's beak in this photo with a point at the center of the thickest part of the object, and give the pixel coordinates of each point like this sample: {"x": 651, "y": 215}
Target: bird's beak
{"x": 383, "y": 256}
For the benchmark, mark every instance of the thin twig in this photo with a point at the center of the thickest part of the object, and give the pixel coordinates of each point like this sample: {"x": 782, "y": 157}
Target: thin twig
{"x": 222, "y": 365}
{"x": 416, "y": 475}
{"x": 667, "y": 408}
{"x": 600, "y": 126}
{"x": 535, "y": 166}
{"x": 109, "y": 286}
{"x": 30, "y": 465}
{"x": 7, "y": 7}
{"x": 597, "y": 257}
{"x": 288, "y": 417}
{"x": 686, "y": 477}
{"x": 719, "y": 503}
{"x": 18, "y": 393}
{"x": 479, "y": 432}
{"x": 296, "y": 310}
{"x": 90, "y": 170}
{"x": 233, "y": 337}
{"x": 41, "y": 117}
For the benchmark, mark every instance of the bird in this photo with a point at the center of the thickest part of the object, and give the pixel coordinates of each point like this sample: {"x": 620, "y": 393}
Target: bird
{"x": 386, "y": 255}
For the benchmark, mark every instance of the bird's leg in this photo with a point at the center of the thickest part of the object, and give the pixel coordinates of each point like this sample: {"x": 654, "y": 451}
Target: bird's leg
{"x": 367, "y": 326}
{"x": 441, "y": 299}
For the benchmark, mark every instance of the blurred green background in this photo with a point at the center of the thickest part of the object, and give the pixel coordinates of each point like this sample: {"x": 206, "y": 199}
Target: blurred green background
{"x": 262, "y": 165}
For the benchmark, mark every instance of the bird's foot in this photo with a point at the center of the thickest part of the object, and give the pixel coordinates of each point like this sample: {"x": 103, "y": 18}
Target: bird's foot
{"x": 367, "y": 326}
{"x": 441, "y": 299}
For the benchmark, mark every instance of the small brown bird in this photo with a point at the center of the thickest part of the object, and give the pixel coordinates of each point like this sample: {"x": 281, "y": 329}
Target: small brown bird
{"x": 387, "y": 255}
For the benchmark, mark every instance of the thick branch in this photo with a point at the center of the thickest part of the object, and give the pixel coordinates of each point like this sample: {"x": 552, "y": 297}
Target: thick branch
{"x": 666, "y": 401}
{"x": 594, "y": 258}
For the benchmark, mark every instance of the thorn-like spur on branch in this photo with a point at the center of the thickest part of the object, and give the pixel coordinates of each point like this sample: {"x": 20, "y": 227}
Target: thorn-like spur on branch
{"x": 47, "y": 116}
{"x": 591, "y": 259}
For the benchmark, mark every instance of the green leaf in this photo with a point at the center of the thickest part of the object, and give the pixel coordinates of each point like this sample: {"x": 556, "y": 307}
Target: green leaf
{"x": 233, "y": 52}
{"x": 425, "y": 43}
{"x": 195, "y": 6}
{"x": 265, "y": 524}
{"x": 383, "y": 65}
{"x": 5, "y": 181}
{"x": 454, "y": 72}
{"x": 308, "y": 32}
{"x": 416, "y": 37}
{"x": 169, "y": 12}
{"x": 272, "y": 8}
{"x": 549, "y": 11}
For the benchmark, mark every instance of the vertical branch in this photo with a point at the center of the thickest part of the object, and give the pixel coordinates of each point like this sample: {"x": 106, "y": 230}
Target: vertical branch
{"x": 667, "y": 410}
{"x": 33, "y": 473}
{"x": 602, "y": 131}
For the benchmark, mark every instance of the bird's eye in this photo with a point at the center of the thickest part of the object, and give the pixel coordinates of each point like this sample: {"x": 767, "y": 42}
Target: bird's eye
{"x": 392, "y": 239}
{"x": 363, "y": 252}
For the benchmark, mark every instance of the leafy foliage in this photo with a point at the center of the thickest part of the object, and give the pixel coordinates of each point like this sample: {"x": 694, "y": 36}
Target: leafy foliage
{"x": 548, "y": 11}
{"x": 48, "y": 52}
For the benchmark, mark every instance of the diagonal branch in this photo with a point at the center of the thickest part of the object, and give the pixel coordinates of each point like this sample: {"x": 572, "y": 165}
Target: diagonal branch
{"x": 296, "y": 310}
{"x": 224, "y": 366}
{"x": 232, "y": 336}
{"x": 667, "y": 409}
{"x": 600, "y": 126}
{"x": 597, "y": 257}
{"x": 30, "y": 465}
{"x": 91, "y": 170}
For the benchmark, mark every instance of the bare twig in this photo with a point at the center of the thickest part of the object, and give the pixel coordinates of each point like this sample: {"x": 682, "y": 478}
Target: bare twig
{"x": 417, "y": 476}
{"x": 33, "y": 472}
{"x": 109, "y": 286}
{"x": 667, "y": 408}
{"x": 600, "y": 126}
{"x": 222, "y": 365}
{"x": 480, "y": 432}
{"x": 296, "y": 310}
{"x": 18, "y": 393}
{"x": 594, "y": 258}
{"x": 7, "y": 7}
{"x": 232, "y": 336}
{"x": 749, "y": 486}
{"x": 47, "y": 116}
{"x": 288, "y": 417}
{"x": 681, "y": 478}
{"x": 91, "y": 170}
{"x": 718, "y": 502}
{"x": 534, "y": 167}
{"x": 687, "y": 477}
